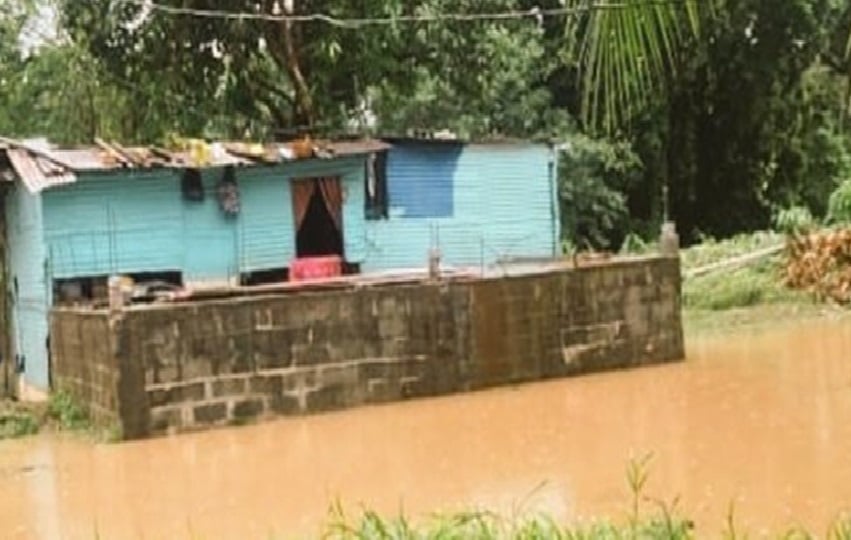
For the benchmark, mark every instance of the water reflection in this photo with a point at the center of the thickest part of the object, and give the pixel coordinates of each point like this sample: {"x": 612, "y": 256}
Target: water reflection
{"x": 762, "y": 420}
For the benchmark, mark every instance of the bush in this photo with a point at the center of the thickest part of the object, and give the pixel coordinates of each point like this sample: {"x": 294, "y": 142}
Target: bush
{"x": 594, "y": 177}
{"x": 794, "y": 220}
{"x": 16, "y": 424}
{"x": 64, "y": 410}
{"x": 839, "y": 206}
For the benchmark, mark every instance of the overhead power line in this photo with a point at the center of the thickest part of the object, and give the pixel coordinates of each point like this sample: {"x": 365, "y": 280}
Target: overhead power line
{"x": 534, "y": 13}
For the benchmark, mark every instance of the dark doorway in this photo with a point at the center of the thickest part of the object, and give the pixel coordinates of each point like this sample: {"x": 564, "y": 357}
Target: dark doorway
{"x": 319, "y": 233}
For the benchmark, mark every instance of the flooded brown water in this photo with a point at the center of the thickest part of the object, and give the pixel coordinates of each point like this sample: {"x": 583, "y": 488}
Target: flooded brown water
{"x": 763, "y": 420}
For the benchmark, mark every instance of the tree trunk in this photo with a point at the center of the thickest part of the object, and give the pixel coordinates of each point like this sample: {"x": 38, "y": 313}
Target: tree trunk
{"x": 304, "y": 113}
{"x": 846, "y": 103}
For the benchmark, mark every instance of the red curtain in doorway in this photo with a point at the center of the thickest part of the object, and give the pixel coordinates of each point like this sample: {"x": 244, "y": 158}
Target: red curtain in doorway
{"x": 302, "y": 193}
{"x": 332, "y": 193}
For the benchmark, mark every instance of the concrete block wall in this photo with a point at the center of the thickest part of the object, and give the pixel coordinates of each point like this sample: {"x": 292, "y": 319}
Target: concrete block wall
{"x": 190, "y": 366}
{"x": 87, "y": 368}
{"x": 216, "y": 363}
{"x": 611, "y": 316}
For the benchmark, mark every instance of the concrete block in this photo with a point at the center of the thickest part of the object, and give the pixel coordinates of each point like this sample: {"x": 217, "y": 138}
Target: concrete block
{"x": 164, "y": 419}
{"x": 210, "y": 414}
{"x": 282, "y": 404}
{"x": 248, "y": 408}
{"x": 228, "y": 387}
{"x": 267, "y": 384}
{"x": 327, "y": 398}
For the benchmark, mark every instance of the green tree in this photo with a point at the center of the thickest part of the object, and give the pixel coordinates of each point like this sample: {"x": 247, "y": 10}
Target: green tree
{"x": 479, "y": 78}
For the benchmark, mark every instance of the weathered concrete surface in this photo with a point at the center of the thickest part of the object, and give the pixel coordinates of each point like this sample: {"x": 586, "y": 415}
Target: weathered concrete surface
{"x": 179, "y": 367}
{"x": 84, "y": 360}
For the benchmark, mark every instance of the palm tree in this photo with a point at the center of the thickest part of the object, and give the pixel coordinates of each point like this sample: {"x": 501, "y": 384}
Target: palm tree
{"x": 628, "y": 51}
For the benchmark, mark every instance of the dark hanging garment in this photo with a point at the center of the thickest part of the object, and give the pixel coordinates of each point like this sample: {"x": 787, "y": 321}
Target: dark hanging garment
{"x": 192, "y": 185}
{"x": 228, "y": 193}
{"x": 376, "y": 186}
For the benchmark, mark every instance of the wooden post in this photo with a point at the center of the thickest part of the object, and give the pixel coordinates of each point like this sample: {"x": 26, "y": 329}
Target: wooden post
{"x": 8, "y": 367}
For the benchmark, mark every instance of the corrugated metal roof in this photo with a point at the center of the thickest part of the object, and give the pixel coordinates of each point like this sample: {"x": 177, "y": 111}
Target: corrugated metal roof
{"x": 221, "y": 154}
{"x": 355, "y": 148}
{"x": 41, "y": 167}
{"x": 446, "y": 138}
{"x": 38, "y": 173}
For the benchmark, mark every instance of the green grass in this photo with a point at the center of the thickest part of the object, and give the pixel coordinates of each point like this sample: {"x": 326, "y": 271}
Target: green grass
{"x": 756, "y": 284}
{"x": 746, "y": 297}
{"x": 18, "y": 423}
{"x": 663, "y": 523}
{"x": 761, "y": 283}
{"x": 711, "y": 251}
{"x": 61, "y": 413}
{"x": 67, "y": 413}
{"x": 488, "y": 526}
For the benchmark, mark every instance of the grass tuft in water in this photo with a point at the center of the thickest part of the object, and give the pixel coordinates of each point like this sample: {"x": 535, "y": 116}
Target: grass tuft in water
{"x": 16, "y": 424}
{"x": 666, "y": 523}
{"x": 67, "y": 412}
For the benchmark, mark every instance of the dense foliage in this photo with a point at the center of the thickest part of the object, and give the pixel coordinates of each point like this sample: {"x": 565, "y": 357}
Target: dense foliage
{"x": 738, "y": 111}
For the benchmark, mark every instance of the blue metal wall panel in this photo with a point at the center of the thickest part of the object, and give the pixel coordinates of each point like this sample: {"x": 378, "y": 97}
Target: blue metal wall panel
{"x": 139, "y": 222}
{"x": 266, "y": 229}
{"x": 503, "y": 207}
{"x": 211, "y": 240}
{"x": 423, "y": 177}
{"x": 354, "y": 211}
{"x": 267, "y": 226}
{"x": 28, "y": 284}
{"x": 131, "y": 222}
{"x": 351, "y": 171}
{"x": 125, "y": 222}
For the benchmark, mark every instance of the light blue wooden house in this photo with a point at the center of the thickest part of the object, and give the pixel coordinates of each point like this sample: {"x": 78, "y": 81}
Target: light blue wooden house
{"x": 74, "y": 217}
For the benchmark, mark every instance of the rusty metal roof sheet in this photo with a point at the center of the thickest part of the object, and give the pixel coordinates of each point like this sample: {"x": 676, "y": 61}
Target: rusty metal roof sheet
{"x": 219, "y": 154}
{"x": 38, "y": 173}
{"x": 355, "y": 148}
{"x": 42, "y": 166}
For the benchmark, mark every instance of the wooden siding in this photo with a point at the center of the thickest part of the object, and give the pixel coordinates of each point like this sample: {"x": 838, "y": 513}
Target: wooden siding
{"x": 28, "y": 284}
{"x": 503, "y": 206}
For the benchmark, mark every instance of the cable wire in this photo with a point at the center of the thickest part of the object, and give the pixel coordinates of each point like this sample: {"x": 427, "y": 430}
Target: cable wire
{"x": 534, "y": 13}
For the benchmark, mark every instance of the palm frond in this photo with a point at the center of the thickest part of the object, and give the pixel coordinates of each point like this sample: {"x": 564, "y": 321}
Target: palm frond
{"x": 626, "y": 51}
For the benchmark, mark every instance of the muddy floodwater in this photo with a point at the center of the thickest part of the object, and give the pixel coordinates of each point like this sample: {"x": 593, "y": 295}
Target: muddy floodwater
{"x": 762, "y": 420}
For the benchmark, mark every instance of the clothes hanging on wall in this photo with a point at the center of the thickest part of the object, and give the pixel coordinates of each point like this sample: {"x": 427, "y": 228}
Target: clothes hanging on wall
{"x": 228, "y": 193}
{"x": 192, "y": 185}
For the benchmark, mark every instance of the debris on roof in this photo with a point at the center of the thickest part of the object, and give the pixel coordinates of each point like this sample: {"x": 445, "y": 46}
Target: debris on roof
{"x": 41, "y": 165}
